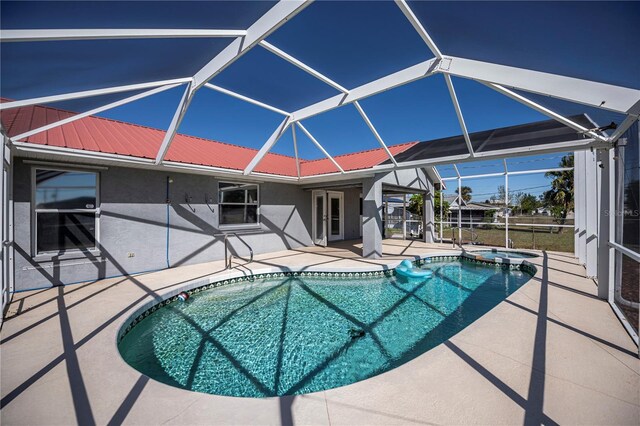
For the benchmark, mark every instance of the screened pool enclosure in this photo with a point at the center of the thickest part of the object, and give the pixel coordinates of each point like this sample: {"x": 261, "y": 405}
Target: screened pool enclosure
{"x": 306, "y": 80}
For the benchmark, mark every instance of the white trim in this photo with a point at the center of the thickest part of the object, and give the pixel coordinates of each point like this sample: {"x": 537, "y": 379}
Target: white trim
{"x": 49, "y": 164}
{"x": 145, "y": 163}
{"x": 224, "y": 226}
{"x": 80, "y": 153}
{"x": 314, "y": 217}
{"x": 110, "y": 34}
{"x": 35, "y": 211}
{"x": 90, "y": 93}
{"x": 333, "y": 176}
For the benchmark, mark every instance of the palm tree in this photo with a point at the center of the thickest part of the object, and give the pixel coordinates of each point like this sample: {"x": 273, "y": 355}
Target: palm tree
{"x": 416, "y": 203}
{"x": 466, "y": 193}
{"x": 560, "y": 197}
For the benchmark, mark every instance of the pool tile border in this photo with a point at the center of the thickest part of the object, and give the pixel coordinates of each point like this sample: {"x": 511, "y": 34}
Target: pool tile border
{"x": 198, "y": 286}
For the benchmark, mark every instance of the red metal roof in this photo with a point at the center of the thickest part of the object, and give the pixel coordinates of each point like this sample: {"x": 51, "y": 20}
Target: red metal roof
{"x": 355, "y": 161}
{"x": 116, "y": 137}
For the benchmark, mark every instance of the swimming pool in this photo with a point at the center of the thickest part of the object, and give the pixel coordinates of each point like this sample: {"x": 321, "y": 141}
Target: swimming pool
{"x": 292, "y": 334}
{"x": 494, "y": 254}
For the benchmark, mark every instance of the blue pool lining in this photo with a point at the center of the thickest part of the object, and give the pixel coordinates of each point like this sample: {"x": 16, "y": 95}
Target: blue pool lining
{"x": 197, "y": 286}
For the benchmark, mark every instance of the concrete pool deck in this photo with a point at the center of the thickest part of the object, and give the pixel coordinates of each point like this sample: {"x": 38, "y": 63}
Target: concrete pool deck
{"x": 550, "y": 353}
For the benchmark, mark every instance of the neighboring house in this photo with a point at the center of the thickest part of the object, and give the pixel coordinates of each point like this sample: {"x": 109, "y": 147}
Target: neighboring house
{"x": 470, "y": 212}
{"x": 89, "y": 202}
{"x": 396, "y": 213}
{"x": 543, "y": 211}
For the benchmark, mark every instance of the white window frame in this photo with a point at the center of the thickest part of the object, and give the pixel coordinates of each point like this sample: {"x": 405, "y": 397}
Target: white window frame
{"x": 239, "y": 225}
{"x": 45, "y": 255}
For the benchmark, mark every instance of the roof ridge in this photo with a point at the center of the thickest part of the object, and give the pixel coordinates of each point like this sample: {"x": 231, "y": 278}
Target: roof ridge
{"x": 360, "y": 152}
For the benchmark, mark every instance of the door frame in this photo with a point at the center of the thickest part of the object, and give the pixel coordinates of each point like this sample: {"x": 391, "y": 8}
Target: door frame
{"x": 314, "y": 213}
{"x": 340, "y": 197}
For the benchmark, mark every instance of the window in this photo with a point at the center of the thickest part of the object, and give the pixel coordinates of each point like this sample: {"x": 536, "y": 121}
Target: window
{"x": 238, "y": 204}
{"x": 65, "y": 210}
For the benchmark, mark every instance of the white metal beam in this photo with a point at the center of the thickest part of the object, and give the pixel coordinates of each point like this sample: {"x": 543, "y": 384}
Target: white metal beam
{"x": 529, "y": 172}
{"x": 456, "y": 105}
{"x": 599, "y": 95}
{"x": 306, "y": 132}
{"x": 404, "y": 7}
{"x": 519, "y": 172}
{"x": 623, "y": 127}
{"x": 507, "y": 198}
{"x": 592, "y": 209}
{"x": 275, "y": 17}
{"x": 304, "y": 67}
{"x": 407, "y": 75}
{"x": 295, "y": 149}
{"x": 94, "y": 111}
{"x": 245, "y": 98}
{"x": 545, "y": 111}
{"x": 267, "y": 145}
{"x": 375, "y": 132}
{"x": 262, "y": 28}
{"x": 110, "y": 34}
{"x": 175, "y": 123}
{"x": 90, "y": 93}
{"x": 455, "y": 167}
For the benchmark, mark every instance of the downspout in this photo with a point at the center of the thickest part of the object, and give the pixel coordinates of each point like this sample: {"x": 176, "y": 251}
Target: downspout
{"x": 168, "y": 202}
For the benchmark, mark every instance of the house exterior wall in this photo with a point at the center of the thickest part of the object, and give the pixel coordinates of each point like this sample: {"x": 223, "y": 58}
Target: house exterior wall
{"x": 372, "y": 206}
{"x": 408, "y": 178}
{"x": 477, "y": 216}
{"x": 352, "y": 213}
{"x": 133, "y": 219}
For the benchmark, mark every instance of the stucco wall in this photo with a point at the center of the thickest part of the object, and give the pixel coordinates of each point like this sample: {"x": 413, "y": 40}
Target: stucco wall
{"x": 134, "y": 220}
{"x": 410, "y": 178}
{"x": 352, "y": 213}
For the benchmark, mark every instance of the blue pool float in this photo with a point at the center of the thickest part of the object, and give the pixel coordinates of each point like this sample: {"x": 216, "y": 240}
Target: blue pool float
{"x": 406, "y": 269}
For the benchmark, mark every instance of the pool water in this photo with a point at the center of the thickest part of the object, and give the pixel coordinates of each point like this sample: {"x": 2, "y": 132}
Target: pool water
{"x": 493, "y": 254}
{"x": 295, "y": 335}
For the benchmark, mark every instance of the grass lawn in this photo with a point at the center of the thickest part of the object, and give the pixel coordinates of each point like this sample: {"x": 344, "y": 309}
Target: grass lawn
{"x": 523, "y": 238}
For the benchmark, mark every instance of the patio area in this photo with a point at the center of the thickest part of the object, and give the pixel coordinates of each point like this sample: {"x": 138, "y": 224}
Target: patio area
{"x": 551, "y": 353}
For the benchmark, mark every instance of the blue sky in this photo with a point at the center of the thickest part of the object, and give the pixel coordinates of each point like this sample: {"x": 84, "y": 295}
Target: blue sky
{"x": 350, "y": 42}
